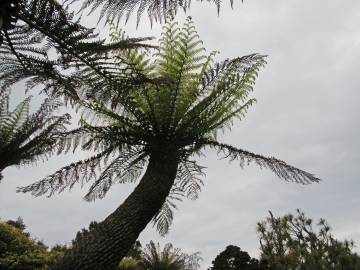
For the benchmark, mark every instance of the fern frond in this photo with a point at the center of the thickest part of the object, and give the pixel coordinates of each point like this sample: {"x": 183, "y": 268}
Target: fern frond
{"x": 83, "y": 64}
{"x": 223, "y": 95}
{"x": 134, "y": 55}
{"x": 126, "y": 168}
{"x": 187, "y": 184}
{"x": 76, "y": 173}
{"x": 40, "y": 143}
{"x": 10, "y": 123}
{"x": 27, "y": 138}
{"x": 157, "y": 10}
{"x": 279, "y": 167}
{"x": 164, "y": 218}
{"x": 188, "y": 179}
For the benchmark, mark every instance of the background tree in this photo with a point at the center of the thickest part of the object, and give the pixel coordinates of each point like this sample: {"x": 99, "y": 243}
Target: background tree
{"x": 233, "y": 258}
{"x": 18, "y": 251}
{"x": 19, "y": 223}
{"x": 129, "y": 263}
{"x": 170, "y": 258}
{"x": 159, "y": 127}
{"x": 24, "y": 137}
{"x": 291, "y": 243}
{"x": 135, "y": 251}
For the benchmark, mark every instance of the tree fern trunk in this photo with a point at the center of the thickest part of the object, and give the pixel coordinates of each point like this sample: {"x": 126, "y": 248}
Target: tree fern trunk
{"x": 106, "y": 244}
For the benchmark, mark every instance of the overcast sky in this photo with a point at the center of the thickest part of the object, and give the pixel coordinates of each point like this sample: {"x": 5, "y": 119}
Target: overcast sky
{"x": 307, "y": 114}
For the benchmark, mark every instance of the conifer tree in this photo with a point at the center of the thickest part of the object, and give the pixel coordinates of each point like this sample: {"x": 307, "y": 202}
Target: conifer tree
{"x": 294, "y": 242}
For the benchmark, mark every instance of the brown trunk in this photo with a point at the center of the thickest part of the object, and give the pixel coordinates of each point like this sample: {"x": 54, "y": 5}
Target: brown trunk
{"x": 110, "y": 240}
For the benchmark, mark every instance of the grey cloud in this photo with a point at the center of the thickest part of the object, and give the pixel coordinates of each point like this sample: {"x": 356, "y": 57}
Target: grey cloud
{"x": 307, "y": 114}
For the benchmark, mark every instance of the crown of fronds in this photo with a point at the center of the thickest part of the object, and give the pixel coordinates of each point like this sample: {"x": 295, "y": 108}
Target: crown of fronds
{"x": 24, "y": 137}
{"x": 153, "y": 257}
{"x": 81, "y": 60}
{"x": 193, "y": 98}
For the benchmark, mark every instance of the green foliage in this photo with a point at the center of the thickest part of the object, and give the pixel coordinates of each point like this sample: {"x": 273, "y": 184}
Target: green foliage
{"x": 19, "y": 223}
{"x": 170, "y": 258}
{"x": 130, "y": 264}
{"x": 152, "y": 257}
{"x": 233, "y": 258}
{"x": 186, "y": 101}
{"x": 26, "y": 138}
{"x": 291, "y": 243}
{"x": 18, "y": 251}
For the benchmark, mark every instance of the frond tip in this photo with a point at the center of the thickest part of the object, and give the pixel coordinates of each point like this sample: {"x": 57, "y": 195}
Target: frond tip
{"x": 280, "y": 168}
{"x": 157, "y": 10}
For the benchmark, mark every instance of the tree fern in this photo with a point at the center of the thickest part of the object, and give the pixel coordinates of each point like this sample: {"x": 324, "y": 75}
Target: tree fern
{"x": 192, "y": 99}
{"x": 26, "y": 138}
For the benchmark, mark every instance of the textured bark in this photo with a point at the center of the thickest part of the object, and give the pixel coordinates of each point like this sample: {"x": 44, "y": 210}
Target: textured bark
{"x": 110, "y": 240}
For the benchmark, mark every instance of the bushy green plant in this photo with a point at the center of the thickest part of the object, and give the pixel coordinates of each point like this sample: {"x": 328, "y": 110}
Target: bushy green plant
{"x": 18, "y": 251}
{"x": 292, "y": 242}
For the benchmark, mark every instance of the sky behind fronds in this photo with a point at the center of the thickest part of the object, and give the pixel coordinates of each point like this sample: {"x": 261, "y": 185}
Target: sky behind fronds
{"x": 307, "y": 114}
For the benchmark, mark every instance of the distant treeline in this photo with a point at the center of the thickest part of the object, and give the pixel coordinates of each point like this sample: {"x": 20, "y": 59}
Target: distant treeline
{"x": 291, "y": 242}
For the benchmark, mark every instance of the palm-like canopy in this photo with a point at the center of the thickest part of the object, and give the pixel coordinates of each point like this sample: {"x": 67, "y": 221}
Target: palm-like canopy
{"x": 170, "y": 258}
{"x": 26, "y": 138}
{"x": 191, "y": 102}
{"x": 161, "y": 126}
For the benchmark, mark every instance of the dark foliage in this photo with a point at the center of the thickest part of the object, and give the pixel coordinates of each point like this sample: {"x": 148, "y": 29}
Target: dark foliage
{"x": 8, "y": 14}
{"x": 292, "y": 242}
{"x": 81, "y": 59}
{"x": 135, "y": 251}
{"x": 83, "y": 233}
{"x": 157, "y": 10}
{"x": 233, "y": 258}
{"x": 19, "y": 223}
